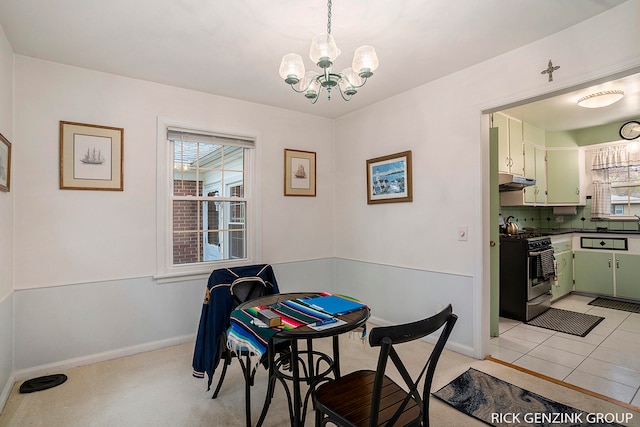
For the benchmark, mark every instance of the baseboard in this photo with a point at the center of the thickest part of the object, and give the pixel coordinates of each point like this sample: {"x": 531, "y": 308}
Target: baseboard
{"x": 4, "y": 396}
{"x": 451, "y": 345}
{"x": 50, "y": 368}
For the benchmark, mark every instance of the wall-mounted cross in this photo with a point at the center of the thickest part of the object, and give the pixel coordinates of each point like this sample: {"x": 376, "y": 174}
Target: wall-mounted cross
{"x": 550, "y": 69}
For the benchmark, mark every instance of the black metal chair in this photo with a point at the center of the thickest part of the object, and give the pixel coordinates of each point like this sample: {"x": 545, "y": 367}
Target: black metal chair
{"x": 243, "y": 289}
{"x": 371, "y": 398}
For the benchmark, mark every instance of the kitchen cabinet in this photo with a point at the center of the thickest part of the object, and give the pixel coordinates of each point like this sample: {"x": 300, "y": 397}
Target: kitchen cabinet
{"x": 535, "y": 166}
{"x": 510, "y": 155}
{"x": 627, "y": 273}
{"x": 563, "y": 176}
{"x": 594, "y": 272}
{"x": 564, "y": 269}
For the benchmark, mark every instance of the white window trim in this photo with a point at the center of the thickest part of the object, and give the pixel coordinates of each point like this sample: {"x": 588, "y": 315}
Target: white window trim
{"x": 165, "y": 270}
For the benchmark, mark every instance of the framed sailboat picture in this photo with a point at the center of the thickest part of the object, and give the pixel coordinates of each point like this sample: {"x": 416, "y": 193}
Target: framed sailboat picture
{"x": 389, "y": 179}
{"x": 299, "y": 173}
{"x": 91, "y": 157}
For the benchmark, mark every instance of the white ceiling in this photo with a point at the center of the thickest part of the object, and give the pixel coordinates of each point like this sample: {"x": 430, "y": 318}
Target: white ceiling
{"x": 233, "y": 48}
{"x": 562, "y": 112}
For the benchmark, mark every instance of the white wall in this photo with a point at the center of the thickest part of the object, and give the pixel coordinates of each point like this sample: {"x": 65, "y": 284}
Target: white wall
{"x": 84, "y": 259}
{"x": 441, "y": 122}
{"x": 87, "y": 236}
{"x": 6, "y": 226}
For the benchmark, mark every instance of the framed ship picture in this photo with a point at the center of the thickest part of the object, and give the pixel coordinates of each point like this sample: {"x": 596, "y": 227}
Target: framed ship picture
{"x": 389, "y": 179}
{"x": 5, "y": 164}
{"x": 91, "y": 157}
{"x": 299, "y": 173}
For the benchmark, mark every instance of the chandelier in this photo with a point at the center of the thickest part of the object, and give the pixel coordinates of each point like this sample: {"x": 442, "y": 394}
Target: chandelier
{"x": 323, "y": 53}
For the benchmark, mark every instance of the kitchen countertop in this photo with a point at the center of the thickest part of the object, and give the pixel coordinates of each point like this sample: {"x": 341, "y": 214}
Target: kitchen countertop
{"x": 558, "y": 231}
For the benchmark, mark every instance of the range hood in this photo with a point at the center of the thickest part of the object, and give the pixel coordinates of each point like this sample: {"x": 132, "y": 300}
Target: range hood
{"x": 510, "y": 182}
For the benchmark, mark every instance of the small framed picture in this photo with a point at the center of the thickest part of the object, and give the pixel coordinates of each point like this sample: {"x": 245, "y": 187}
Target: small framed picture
{"x": 91, "y": 157}
{"x": 5, "y": 164}
{"x": 389, "y": 179}
{"x": 299, "y": 173}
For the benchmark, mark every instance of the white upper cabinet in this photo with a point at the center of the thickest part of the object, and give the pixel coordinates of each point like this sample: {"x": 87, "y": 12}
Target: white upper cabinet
{"x": 510, "y": 151}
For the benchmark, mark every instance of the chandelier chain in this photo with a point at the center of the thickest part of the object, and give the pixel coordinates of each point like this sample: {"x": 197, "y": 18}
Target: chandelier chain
{"x": 329, "y": 17}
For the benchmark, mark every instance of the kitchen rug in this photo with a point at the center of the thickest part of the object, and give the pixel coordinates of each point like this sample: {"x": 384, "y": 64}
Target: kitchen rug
{"x": 568, "y": 322}
{"x": 616, "y": 305}
{"x": 499, "y": 403}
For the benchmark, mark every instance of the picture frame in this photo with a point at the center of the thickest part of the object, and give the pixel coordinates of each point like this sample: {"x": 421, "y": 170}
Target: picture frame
{"x": 389, "y": 179}
{"x": 91, "y": 157}
{"x": 5, "y": 164}
{"x": 299, "y": 173}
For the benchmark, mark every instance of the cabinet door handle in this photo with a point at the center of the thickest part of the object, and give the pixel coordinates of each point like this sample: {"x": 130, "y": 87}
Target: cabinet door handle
{"x": 609, "y": 262}
{"x": 577, "y": 191}
{"x": 508, "y": 161}
{"x": 617, "y": 264}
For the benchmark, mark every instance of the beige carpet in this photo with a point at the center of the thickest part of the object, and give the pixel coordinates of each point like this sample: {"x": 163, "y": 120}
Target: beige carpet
{"x": 156, "y": 388}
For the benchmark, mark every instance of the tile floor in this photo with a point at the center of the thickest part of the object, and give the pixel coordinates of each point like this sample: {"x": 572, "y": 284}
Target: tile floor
{"x": 605, "y": 361}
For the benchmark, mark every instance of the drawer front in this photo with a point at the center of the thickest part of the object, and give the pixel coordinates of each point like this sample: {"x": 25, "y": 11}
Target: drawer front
{"x": 611, "y": 243}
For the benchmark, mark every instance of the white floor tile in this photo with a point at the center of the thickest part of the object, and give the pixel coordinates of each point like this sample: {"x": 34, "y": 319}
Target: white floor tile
{"x": 513, "y": 343}
{"x": 529, "y": 333}
{"x": 612, "y": 355}
{"x": 573, "y": 346}
{"x": 593, "y": 337}
{"x": 612, "y": 318}
{"x": 623, "y": 341}
{"x": 577, "y": 303}
{"x": 543, "y": 367}
{"x": 504, "y": 354}
{"x": 636, "y": 399}
{"x": 557, "y": 356}
{"x": 505, "y": 324}
{"x": 610, "y": 371}
{"x": 631, "y": 324}
{"x": 601, "y": 385}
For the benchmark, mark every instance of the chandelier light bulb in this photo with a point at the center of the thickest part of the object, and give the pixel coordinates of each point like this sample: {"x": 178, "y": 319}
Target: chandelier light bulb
{"x": 601, "y": 99}
{"x": 324, "y": 50}
{"x": 291, "y": 68}
{"x": 365, "y": 61}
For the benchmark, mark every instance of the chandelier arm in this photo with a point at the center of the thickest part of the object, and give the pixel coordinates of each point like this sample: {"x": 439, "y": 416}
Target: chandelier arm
{"x": 305, "y": 89}
{"x": 314, "y": 100}
{"x": 364, "y": 80}
{"x": 346, "y": 98}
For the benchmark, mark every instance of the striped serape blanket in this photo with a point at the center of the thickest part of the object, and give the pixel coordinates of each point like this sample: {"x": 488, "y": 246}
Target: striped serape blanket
{"x": 243, "y": 334}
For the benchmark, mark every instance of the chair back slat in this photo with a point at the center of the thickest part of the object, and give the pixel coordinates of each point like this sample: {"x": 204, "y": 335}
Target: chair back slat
{"x": 387, "y": 337}
{"x": 245, "y": 289}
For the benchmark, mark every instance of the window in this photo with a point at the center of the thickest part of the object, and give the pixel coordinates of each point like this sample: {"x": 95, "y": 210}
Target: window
{"x": 625, "y": 190}
{"x": 206, "y": 202}
{"x": 616, "y": 182}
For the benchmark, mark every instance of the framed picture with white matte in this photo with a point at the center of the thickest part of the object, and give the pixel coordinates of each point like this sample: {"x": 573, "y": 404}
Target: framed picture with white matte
{"x": 299, "y": 173}
{"x": 5, "y": 164}
{"x": 91, "y": 157}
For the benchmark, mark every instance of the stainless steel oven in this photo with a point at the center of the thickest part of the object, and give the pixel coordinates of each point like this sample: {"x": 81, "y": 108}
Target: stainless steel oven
{"x": 526, "y": 271}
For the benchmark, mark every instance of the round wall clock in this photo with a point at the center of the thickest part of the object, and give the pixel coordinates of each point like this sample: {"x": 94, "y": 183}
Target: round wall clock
{"x": 630, "y": 130}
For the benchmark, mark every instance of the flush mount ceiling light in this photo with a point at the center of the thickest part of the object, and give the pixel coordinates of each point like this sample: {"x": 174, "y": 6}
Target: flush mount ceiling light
{"x": 601, "y": 99}
{"x": 323, "y": 53}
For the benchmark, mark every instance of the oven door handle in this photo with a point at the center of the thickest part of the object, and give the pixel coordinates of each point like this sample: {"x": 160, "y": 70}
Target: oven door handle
{"x": 538, "y": 252}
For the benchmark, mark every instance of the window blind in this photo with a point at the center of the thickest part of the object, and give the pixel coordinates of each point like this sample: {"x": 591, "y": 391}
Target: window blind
{"x": 177, "y": 134}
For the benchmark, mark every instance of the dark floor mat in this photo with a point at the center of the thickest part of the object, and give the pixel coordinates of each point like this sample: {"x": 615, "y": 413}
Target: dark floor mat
{"x": 42, "y": 383}
{"x": 616, "y": 304}
{"x": 569, "y": 322}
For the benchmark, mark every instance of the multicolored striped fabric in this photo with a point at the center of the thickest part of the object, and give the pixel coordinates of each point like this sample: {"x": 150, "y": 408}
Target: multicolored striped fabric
{"x": 245, "y": 335}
